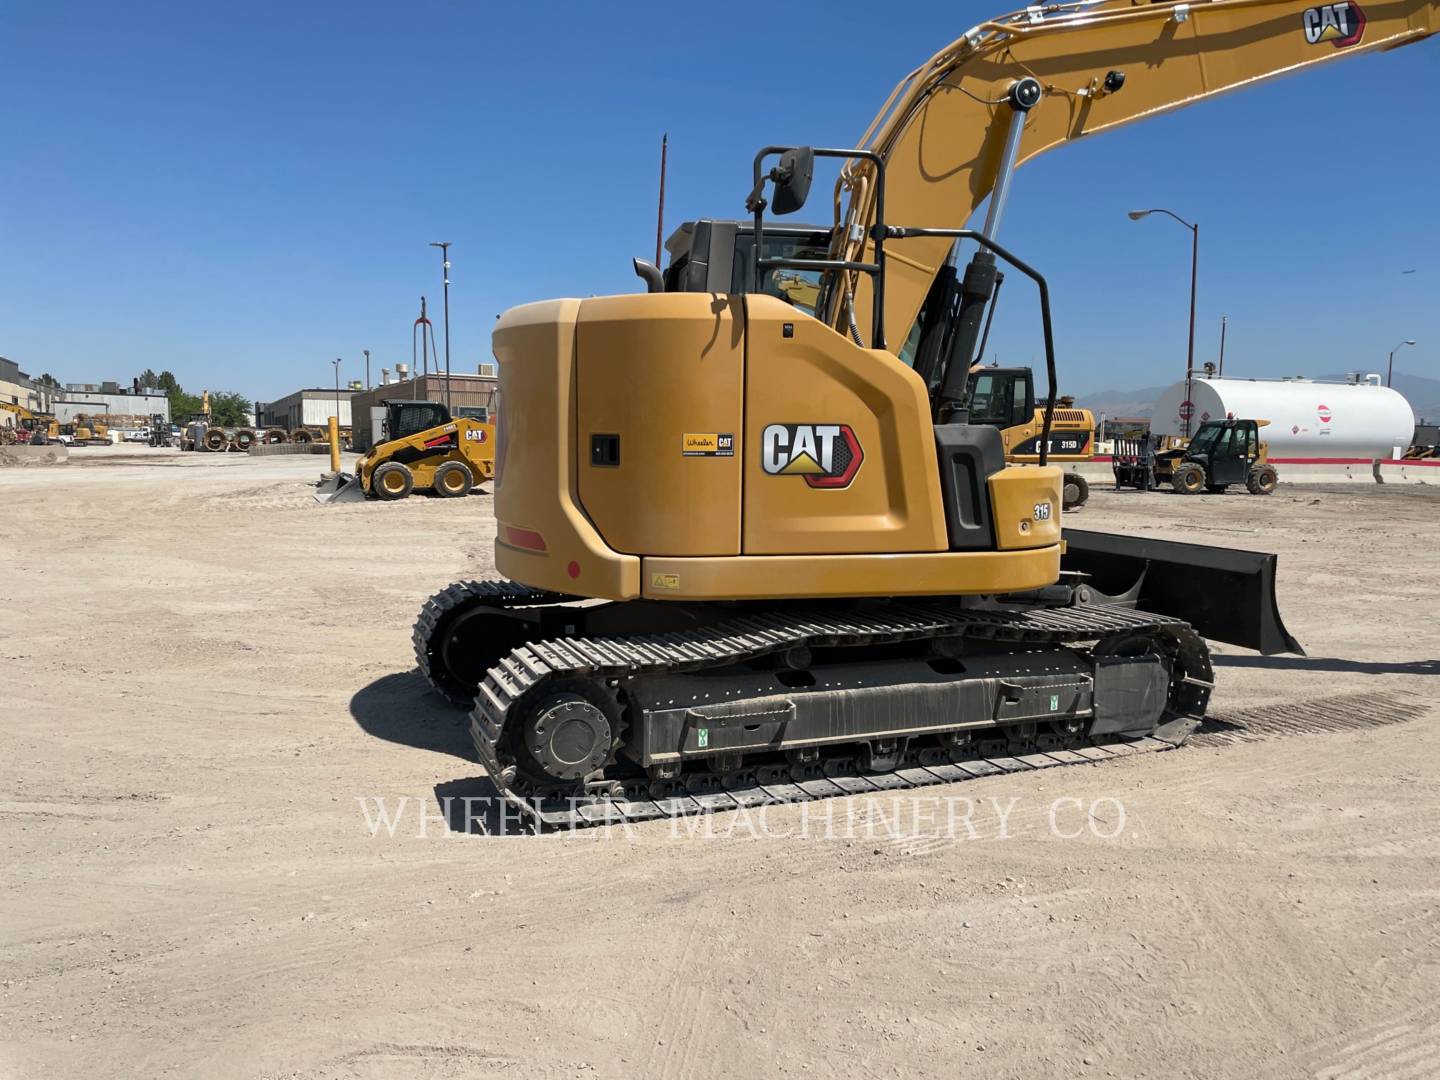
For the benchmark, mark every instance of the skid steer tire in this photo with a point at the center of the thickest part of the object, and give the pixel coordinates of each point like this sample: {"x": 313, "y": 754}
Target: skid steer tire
{"x": 453, "y": 480}
{"x": 1188, "y": 478}
{"x": 1262, "y": 480}
{"x": 1076, "y": 491}
{"x": 392, "y": 481}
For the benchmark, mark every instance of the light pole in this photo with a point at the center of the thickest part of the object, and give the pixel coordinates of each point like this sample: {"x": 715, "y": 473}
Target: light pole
{"x": 336, "y": 362}
{"x": 444, "y": 246}
{"x": 1136, "y": 215}
{"x": 1390, "y": 368}
{"x": 367, "y": 368}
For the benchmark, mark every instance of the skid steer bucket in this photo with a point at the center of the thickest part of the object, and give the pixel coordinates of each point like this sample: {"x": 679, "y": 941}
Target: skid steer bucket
{"x": 340, "y": 487}
{"x": 1225, "y": 594}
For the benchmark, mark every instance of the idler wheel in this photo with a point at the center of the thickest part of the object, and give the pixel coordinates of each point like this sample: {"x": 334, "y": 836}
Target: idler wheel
{"x": 567, "y": 736}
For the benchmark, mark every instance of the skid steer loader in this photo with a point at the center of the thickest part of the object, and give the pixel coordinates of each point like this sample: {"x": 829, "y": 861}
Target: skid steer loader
{"x": 425, "y": 449}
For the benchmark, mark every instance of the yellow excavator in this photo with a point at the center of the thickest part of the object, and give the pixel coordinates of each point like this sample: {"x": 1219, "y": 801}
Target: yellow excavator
{"x": 805, "y": 571}
{"x": 1004, "y": 398}
{"x": 425, "y": 449}
{"x": 29, "y": 425}
{"x": 90, "y": 432}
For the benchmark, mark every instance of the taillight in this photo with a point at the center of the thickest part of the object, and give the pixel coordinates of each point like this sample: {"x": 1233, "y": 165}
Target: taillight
{"x": 528, "y": 539}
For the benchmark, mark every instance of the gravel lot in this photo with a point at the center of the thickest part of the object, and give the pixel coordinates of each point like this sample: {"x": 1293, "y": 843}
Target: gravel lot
{"x": 209, "y": 684}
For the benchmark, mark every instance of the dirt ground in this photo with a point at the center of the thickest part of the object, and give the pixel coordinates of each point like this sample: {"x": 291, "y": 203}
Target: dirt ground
{"x": 209, "y": 686}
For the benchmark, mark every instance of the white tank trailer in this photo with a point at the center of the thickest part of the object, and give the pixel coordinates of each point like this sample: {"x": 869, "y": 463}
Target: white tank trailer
{"x": 1358, "y": 418}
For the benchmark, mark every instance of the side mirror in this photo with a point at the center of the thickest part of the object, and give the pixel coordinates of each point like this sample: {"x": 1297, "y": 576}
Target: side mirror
{"x": 792, "y": 179}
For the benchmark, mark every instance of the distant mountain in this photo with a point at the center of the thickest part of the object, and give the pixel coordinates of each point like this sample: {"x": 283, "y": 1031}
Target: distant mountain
{"x": 1423, "y": 394}
{"x": 1127, "y": 403}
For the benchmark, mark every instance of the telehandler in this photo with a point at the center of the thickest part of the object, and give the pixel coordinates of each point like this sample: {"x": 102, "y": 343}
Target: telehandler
{"x": 805, "y": 570}
{"x": 1222, "y": 453}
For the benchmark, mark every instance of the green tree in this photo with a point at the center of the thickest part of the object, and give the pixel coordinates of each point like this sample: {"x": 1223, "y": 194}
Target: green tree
{"x": 166, "y": 381}
{"x": 182, "y": 405}
{"x": 49, "y": 380}
{"x": 228, "y": 408}
{"x": 148, "y": 380}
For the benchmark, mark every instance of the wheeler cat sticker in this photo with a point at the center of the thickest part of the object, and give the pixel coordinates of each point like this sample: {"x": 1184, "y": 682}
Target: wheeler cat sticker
{"x": 707, "y": 444}
{"x": 827, "y": 455}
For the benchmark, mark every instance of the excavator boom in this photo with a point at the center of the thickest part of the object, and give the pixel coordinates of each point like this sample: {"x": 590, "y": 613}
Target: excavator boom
{"x": 942, "y": 133}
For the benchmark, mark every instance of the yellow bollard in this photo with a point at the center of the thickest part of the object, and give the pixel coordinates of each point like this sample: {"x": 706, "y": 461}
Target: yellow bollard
{"x": 335, "y": 444}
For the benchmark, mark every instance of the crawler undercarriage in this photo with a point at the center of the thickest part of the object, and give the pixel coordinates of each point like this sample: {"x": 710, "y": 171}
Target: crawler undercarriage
{"x": 585, "y": 712}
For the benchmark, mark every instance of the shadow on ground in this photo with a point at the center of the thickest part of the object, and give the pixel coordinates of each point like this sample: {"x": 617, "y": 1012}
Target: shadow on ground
{"x": 1324, "y": 663}
{"x": 474, "y": 806}
{"x": 401, "y": 708}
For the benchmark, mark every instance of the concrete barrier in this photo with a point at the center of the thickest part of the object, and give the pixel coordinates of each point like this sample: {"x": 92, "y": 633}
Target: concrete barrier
{"x": 1312, "y": 471}
{"x": 1408, "y": 472}
{"x": 22, "y": 454}
{"x": 273, "y": 449}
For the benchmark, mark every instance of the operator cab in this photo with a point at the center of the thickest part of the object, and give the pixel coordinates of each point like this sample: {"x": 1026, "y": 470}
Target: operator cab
{"x": 1226, "y": 448}
{"x": 719, "y": 257}
{"x": 1001, "y": 397}
{"x": 406, "y": 418}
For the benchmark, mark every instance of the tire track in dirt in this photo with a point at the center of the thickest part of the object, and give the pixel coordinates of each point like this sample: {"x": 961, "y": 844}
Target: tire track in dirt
{"x": 1398, "y": 1047}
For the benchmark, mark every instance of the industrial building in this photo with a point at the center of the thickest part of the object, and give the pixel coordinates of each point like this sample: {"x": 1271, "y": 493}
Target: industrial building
{"x": 470, "y": 395}
{"x": 306, "y": 408}
{"x": 17, "y": 388}
{"x": 108, "y": 399}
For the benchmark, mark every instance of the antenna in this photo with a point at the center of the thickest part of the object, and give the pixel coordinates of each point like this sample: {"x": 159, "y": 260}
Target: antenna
{"x": 660, "y": 214}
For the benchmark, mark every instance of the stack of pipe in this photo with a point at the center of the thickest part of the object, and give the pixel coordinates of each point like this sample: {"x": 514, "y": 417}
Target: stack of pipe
{"x": 216, "y": 439}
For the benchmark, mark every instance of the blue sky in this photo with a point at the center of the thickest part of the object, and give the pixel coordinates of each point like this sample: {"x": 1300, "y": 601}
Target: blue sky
{"x": 241, "y": 193}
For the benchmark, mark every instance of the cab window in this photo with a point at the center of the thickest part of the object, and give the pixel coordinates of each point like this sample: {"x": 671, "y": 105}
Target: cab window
{"x": 800, "y": 288}
{"x": 1000, "y": 398}
{"x": 982, "y": 400}
{"x": 1204, "y": 442}
{"x": 417, "y": 418}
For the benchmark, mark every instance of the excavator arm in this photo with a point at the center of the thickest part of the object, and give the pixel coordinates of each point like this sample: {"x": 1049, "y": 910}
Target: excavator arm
{"x": 952, "y": 131}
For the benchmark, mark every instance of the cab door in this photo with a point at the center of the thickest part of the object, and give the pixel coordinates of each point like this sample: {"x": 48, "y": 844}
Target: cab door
{"x": 1003, "y": 399}
{"x": 1228, "y": 461}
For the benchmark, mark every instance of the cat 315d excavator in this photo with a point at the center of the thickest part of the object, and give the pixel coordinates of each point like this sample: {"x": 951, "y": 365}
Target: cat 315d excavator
{"x": 808, "y": 573}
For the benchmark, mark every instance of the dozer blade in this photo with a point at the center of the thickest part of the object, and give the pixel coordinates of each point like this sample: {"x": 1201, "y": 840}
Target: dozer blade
{"x": 1225, "y": 594}
{"x": 342, "y": 487}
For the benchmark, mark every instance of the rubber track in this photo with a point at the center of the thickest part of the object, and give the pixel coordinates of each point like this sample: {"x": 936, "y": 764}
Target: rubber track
{"x": 530, "y": 669}
{"x": 498, "y": 594}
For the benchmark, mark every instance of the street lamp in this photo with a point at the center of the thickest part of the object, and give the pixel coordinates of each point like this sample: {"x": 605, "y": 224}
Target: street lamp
{"x": 1136, "y": 215}
{"x": 1390, "y": 368}
{"x": 336, "y": 362}
{"x": 444, "y": 246}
